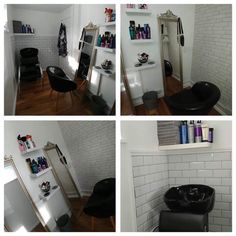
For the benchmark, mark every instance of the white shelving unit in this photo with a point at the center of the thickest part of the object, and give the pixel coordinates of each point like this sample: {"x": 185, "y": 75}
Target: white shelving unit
{"x": 30, "y": 150}
{"x": 23, "y": 34}
{"x": 135, "y": 11}
{"x": 102, "y": 71}
{"x": 141, "y": 41}
{"x": 108, "y": 24}
{"x": 41, "y": 172}
{"x": 142, "y": 67}
{"x": 52, "y": 192}
{"x": 184, "y": 146}
{"x": 110, "y": 50}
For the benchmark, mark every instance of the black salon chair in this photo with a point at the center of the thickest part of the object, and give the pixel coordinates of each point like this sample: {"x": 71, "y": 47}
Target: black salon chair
{"x": 182, "y": 222}
{"x": 29, "y": 67}
{"x": 60, "y": 82}
{"x": 199, "y": 100}
{"x": 101, "y": 203}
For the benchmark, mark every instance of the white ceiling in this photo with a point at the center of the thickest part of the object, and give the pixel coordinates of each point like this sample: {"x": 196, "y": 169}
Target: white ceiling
{"x": 43, "y": 7}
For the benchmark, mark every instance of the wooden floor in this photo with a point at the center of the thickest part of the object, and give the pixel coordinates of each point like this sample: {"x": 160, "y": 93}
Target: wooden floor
{"x": 82, "y": 222}
{"x": 172, "y": 86}
{"x": 126, "y": 108}
{"x": 35, "y": 99}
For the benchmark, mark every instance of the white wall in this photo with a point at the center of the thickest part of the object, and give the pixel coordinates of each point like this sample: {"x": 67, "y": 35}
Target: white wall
{"x": 10, "y": 84}
{"x": 212, "y": 51}
{"x": 42, "y": 132}
{"x": 44, "y": 23}
{"x": 92, "y": 149}
{"x": 152, "y": 78}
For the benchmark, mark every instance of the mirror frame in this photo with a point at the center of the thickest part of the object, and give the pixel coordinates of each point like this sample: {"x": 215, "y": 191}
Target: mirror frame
{"x": 172, "y": 18}
{"x": 10, "y": 161}
{"x": 89, "y": 27}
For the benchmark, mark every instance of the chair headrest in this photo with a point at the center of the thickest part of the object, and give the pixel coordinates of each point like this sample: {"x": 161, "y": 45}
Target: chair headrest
{"x": 29, "y": 52}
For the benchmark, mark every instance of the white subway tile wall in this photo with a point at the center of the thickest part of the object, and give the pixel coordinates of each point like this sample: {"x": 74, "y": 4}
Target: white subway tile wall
{"x": 212, "y": 49}
{"x": 153, "y": 175}
{"x": 47, "y": 46}
{"x": 213, "y": 169}
{"x": 150, "y": 176}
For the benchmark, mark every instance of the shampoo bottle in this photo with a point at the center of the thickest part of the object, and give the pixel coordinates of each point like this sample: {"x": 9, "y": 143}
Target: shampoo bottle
{"x": 191, "y": 131}
{"x": 198, "y": 132}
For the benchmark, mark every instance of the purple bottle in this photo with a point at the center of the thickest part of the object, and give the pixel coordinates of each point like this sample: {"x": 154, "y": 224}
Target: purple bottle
{"x": 198, "y": 132}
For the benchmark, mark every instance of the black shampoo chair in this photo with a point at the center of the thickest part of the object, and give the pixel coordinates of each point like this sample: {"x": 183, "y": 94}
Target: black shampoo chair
{"x": 101, "y": 203}
{"x": 183, "y": 222}
{"x": 29, "y": 68}
{"x": 199, "y": 100}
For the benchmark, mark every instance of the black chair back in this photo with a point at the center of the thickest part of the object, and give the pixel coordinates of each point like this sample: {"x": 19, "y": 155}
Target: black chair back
{"x": 59, "y": 81}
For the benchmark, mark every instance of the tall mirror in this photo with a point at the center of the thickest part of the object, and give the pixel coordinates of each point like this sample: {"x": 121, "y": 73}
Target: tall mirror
{"x": 20, "y": 212}
{"x": 86, "y": 52}
{"x": 171, "y": 41}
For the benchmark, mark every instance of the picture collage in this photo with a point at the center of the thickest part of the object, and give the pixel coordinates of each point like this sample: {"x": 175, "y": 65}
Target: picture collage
{"x": 117, "y": 116}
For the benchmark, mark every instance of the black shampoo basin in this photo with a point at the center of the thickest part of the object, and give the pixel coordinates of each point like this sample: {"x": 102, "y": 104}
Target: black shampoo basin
{"x": 193, "y": 198}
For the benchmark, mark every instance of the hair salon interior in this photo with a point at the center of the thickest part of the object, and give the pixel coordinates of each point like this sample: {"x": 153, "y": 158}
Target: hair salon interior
{"x": 59, "y": 59}
{"x": 176, "y": 59}
{"x": 59, "y": 176}
{"x": 176, "y": 176}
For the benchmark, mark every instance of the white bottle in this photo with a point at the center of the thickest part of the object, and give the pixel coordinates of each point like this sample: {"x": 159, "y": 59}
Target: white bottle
{"x": 191, "y": 131}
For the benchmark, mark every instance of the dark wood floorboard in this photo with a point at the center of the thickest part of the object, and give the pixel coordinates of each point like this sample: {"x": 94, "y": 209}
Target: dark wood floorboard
{"x": 126, "y": 108}
{"x": 39, "y": 228}
{"x": 82, "y": 222}
{"x": 36, "y": 100}
{"x": 172, "y": 86}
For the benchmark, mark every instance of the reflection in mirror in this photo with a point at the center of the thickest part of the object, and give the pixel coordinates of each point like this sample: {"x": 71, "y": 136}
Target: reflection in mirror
{"x": 86, "y": 55}
{"x": 171, "y": 54}
{"x": 19, "y": 214}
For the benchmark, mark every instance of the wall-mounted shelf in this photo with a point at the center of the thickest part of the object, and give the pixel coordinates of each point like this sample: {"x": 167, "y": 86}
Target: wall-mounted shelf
{"x": 52, "y": 192}
{"x": 110, "y": 50}
{"x": 141, "y": 40}
{"x": 142, "y": 67}
{"x": 184, "y": 146}
{"x": 108, "y": 24}
{"x": 134, "y": 11}
{"x": 23, "y": 34}
{"x": 102, "y": 71}
{"x": 30, "y": 150}
{"x": 41, "y": 172}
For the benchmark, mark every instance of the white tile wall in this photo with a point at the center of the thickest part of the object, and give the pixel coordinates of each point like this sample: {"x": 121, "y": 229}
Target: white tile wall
{"x": 47, "y": 46}
{"x": 153, "y": 175}
{"x": 92, "y": 149}
{"x": 212, "y": 49}
{"x": 150, "y": 183}
{"x": 213, "y": 169}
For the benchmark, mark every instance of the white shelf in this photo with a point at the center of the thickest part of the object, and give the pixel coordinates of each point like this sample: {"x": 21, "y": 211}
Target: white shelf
{"x": 52, "y": 192}
{"x": 23, "y": 34}
{"x": 30, "y": 150}
{"x": 142, "y": 67}
{"x": 102, "y": 71}
{"x": 184, "y": 146}
{"x": 108, "y": 24}
{"x": 141, "y": 40}
{"x": 137, "y": 11}
{"x": 41, "y": 172}
{"x": 110, "y": 50}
